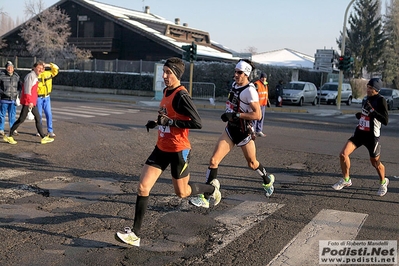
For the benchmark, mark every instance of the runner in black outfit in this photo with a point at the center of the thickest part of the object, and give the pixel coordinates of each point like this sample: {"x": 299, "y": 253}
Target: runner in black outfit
{"x": 374, "y": 114}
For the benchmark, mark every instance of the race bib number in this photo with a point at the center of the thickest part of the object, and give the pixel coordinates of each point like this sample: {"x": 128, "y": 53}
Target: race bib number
{"x": 163, "y": 130}
{"x": 229, "y": 106}
{"x": 364, "y": 123}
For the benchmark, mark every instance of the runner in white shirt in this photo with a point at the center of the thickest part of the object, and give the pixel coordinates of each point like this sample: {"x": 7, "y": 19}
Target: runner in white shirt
{"x": 242, "y": 107}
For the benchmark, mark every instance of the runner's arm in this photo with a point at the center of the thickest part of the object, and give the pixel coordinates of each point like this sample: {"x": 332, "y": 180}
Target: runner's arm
{"x": 183, "y": 104}
{"x": 380, "y": 112}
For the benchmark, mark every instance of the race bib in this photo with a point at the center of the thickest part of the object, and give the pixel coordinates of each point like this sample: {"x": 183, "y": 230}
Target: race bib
{"x": 364, "y": 123}
{"x": 163, "y": 130}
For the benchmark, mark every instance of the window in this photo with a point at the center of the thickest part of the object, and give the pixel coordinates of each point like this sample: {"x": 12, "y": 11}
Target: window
{"x": 108, "y": 29}
{"x": 88, "y": 29}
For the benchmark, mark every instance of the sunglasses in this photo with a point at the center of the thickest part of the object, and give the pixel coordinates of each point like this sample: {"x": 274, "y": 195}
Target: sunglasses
{"x": 239, "y": 72}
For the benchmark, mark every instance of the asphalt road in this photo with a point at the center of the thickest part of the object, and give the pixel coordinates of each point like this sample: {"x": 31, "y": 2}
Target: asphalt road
{"x": 62, "y": 203}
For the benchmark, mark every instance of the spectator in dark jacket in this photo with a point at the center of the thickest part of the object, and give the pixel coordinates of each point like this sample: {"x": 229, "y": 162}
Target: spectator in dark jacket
{"x": 279, "y": 93}
{"x": 10, "y": 87}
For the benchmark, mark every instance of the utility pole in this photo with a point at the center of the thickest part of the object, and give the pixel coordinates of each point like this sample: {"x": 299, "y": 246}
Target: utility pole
{"x": 341, "y": 72}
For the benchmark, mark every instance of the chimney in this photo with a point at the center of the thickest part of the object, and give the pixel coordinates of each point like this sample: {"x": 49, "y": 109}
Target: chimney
{"x": 185, "y": 24}
{"x": 147, "y": 10}
{"x": 177, "y": 21}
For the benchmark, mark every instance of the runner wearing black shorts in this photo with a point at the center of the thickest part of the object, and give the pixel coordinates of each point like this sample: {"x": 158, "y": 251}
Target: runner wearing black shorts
{"x": 374, "y": 114}
{"x": 242, "y": 108}
{"x": 176, "y": 115}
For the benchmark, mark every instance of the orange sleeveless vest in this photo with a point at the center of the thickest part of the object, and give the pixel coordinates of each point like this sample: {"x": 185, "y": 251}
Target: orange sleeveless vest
{"x": 172, "y": 139}
{"x": 263, "y": 91}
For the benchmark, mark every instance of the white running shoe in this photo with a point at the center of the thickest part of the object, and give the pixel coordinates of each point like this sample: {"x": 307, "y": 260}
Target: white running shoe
{"x": 129, "y": 237}
{"x": 269, "y": 188}
{"x": 217, "y": 196}
{"x": 200, "y": 201}
{"x": 383, "y": 188}
{"x": 341, "y": 184}
{"x": 260, "y": 134}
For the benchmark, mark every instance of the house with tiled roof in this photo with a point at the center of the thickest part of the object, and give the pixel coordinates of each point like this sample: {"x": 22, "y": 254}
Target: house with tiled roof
{"x": 111, "y": 32}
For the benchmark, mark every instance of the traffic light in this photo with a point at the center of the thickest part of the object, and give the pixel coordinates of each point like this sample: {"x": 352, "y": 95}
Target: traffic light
{"x": 348, "y": 63}
{"x": 341, "y": 60}
{"x": 190, "y": 52}
{"x": 345, "y": 63}
{"x": 193, "y": 52}
{"x": 186, "y": 52}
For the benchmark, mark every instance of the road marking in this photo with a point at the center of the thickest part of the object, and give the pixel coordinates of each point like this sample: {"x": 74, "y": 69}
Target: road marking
{"x": 97, "y": 109}
{"x": 240, "y": 219}
{"x": 347, "y": 116}
{"x": 303, "y": 249}
{"x": 10, "y": 173}
{"x": 69, "y": 113}
{"x": 79, "y": 111}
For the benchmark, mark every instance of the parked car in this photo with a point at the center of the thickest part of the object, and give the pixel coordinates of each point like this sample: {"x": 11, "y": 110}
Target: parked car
{"x": 300, "y": 92}
{"x": 391, "y": 96}
{"x": 329, "y": 93}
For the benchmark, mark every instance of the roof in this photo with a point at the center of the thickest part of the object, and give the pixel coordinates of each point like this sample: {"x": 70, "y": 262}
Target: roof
{"x": 152, "y": 25}
{"x": 284, "y": 57}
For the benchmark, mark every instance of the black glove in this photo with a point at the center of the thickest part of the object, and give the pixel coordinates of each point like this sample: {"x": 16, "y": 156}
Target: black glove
{"x": 164, "y": 120}
{"x": 150, "y": 124}
{"x": 358, "y": 115}
{"x": 230, "y": 117}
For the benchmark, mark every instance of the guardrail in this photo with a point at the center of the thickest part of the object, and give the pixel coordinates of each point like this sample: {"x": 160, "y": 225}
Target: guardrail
{"x": 201, "y": 90}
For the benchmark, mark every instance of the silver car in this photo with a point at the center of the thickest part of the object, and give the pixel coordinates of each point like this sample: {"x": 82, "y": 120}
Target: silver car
{"x": 329, "y": 93}
{"x": 300, "y": 92}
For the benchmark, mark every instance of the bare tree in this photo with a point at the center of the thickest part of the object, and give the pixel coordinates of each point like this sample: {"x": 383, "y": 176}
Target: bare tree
{"x": 46, "y": 33}
{"x": 252, "y": 50}
{"x": 5, "y": 22}
{"x": 33, "y": 7}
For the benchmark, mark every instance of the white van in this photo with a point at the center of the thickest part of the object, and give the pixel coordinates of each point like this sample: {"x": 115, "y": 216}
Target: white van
{"x": 300, "y": 92}
{"x": 329, "y": 93}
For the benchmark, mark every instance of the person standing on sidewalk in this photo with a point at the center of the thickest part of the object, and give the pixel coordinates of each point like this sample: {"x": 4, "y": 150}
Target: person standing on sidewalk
{"x": 10, "y": 87}
{"x": 28, "y": 102}
{"x": 279, "y": 93}
{"x": 374, "y": 114}
{"x": 43, "y": 100}
{"x": 177, "y": 114}
{"x": 262, "y": 88}
{"x": 242, "y": 107}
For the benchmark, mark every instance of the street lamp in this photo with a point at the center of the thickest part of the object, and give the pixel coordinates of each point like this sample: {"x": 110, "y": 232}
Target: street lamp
{"x": 341, "y": 72}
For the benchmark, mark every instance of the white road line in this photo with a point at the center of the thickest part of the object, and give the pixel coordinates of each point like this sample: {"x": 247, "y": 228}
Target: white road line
{"x": 67, "y": 111}
{"x": 240, "y": 219}
{"x": 347, "y": 116}
{"x": 96, "y": 109}
{"x": 10, "y": 173}
{"x": 303, "y": 249}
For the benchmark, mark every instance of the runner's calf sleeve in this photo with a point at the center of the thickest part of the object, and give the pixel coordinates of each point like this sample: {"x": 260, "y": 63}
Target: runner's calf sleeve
{"x": 211, "y": 173}
{"x": 263, "y": 173}
{"x": 141, "y": 207}
{"x": 198, "y": 188}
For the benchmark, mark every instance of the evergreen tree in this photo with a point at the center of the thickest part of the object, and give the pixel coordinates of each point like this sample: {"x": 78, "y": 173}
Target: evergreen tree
{"x": 365, "y": 38}
{"x": 391, "y": 52}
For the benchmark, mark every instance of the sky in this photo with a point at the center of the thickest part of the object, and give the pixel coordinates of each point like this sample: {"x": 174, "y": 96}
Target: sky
{"x": 265, "y": 25}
